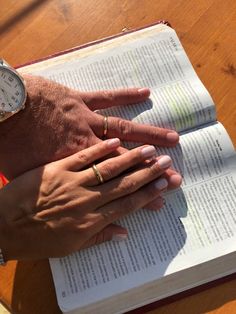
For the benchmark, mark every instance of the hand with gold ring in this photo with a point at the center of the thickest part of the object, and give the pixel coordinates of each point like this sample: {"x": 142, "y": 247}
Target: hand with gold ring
{"x": 69, "y": 204}
{"x": 58, "y": 121}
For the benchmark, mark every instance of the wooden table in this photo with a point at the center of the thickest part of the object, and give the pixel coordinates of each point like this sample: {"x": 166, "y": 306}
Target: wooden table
{"x": 207, "y": 28}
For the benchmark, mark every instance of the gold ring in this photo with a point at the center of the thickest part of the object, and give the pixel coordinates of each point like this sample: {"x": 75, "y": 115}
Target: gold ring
{"x": 105, "y": 126}
{"x": 97, "y": 174}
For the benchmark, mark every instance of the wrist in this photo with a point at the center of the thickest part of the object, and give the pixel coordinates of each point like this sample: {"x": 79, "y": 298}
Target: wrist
{"x": 12, "y": 138}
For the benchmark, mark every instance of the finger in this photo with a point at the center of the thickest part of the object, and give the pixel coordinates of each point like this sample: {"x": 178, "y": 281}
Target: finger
{"x": 111, "y": 232}
{"x": 119, "y": 151}
{"x": 130, "y": 203}
{"x": 174, "y": 181}
{"x": 85, "y": 157}
{"x": 174, "y": 178}
{"x": 156, "y": 204}
{"x": 135, "y": 132}
{"x": 133, "y": 181}
{"x": 112, "y": 167}
{"x": 109, "y": 98}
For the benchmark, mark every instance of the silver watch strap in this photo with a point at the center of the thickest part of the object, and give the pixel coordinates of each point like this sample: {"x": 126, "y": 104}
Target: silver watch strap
{"x": 2, "y": 262}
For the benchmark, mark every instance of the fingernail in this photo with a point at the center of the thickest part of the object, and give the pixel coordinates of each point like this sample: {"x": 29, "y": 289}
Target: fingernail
{"x": 161, "y": 184}
{"x": 175, "y": 179}
{"x": 148, "y": 151}
{"x": 172, "y": 137}
{"x": 114, "y": 142}
{"x": 119, "y": 237}
{"x": 164, "y": 162}
{"x": 144, "y": 91}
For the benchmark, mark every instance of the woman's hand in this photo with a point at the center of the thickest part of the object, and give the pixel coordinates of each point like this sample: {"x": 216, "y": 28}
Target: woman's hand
{"x": 60, "y": 208}
{"x": 58, "y": 121}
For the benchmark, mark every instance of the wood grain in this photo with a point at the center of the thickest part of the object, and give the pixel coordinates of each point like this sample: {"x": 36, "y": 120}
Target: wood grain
{"x": 33, "y": 29}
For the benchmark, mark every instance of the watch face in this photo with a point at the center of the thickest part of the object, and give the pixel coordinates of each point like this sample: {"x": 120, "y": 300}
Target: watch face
{"x": 12, "y": 91}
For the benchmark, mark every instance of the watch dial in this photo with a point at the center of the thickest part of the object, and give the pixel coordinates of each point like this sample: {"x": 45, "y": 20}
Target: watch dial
{"x": 12, "y": 91}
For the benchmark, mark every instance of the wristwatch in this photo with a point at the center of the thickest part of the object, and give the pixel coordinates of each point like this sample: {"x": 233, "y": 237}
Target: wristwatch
{"x": 12, "y": 91}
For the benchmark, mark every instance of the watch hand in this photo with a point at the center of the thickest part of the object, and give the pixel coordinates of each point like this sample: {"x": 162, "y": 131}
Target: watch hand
{"x": 5, "y": 96}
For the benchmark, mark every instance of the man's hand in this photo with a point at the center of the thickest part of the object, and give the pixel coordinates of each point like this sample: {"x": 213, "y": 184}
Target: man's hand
{"x": 59, "y": 121}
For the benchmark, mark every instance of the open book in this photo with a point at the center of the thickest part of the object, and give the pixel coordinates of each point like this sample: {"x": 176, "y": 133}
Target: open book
{"x": 192, "y": 240}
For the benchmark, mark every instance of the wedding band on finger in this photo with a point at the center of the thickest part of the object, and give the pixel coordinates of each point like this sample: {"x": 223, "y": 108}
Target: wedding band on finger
{"x": 105, "y": 127}
{"x": 97, "y": 174}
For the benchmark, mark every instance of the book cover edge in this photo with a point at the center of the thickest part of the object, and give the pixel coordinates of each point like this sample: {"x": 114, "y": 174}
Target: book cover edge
{"x": 92, "y": 43}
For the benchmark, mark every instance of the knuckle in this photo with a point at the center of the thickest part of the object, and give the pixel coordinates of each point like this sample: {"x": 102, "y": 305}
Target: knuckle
{"x": 124, "y": 126}
{"x": 108, "y": 216}
{"x": 154, "y": 170}
{"x": 83, "y": 158}
{"x": 108, "y": 170}
{"x": 137, "y": 155}
{"x": 49, "y": 172}
{"x": 128, "y": 185}
{"x": 108, "y": 95}
{"x": 153, "y": 134}
{"x": 48, "y": 183}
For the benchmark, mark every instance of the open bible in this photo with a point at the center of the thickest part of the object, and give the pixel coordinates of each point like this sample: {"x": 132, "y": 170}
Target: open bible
{"x": 192, "y": 239}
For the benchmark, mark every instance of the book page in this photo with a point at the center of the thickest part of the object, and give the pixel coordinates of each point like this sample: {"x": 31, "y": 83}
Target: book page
{"x": 178, "y": 98}
{"x": 196, "y": 224}
{"x": 202, "y": 154}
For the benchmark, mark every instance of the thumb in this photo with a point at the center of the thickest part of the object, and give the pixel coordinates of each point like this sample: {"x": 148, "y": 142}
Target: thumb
{"x": 111, "y": 232}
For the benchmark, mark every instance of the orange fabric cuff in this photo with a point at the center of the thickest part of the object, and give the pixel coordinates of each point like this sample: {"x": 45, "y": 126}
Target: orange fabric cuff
{"x": 3, "y": 180}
